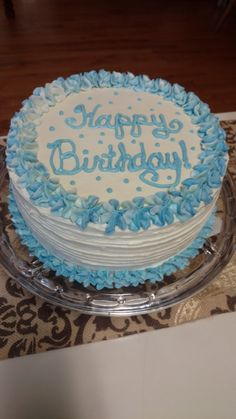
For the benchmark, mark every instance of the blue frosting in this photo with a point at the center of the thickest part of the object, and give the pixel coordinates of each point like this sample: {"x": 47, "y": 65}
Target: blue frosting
{"x": 87, "y": 119}
{"x": 150, "y": 166}
{"x": 139, "y": 213}
{"x": 103, "y": 278}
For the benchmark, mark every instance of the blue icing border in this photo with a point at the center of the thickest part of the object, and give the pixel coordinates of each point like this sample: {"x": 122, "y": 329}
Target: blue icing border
{"x": 102, "y": 278}
{"x": 140, "y": 213}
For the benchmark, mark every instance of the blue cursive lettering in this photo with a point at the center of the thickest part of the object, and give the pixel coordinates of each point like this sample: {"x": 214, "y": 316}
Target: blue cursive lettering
{"x": 64, "y": 160}
{"x": 118, "y": 122}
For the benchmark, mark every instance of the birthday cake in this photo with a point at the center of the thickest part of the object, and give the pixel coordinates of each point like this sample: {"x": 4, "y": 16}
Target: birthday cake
{"x": 114, "y": 177}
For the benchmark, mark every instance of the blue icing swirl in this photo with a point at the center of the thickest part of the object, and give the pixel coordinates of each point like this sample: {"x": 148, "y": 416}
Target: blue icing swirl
{"x": 89, "y": 80}
{"x": 179, "y": 95}
{"x": 165, "y": 88}
{"x": 117, "y": 80}
{"x": 73, "y": 83}
{"x": 104, "y": 78}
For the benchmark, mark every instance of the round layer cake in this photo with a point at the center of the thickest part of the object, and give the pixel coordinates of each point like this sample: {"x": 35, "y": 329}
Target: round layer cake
{"x": 114, "y": 177}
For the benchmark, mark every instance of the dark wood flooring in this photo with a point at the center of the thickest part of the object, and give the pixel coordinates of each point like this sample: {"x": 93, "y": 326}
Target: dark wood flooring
{"x": 173, "y": 39}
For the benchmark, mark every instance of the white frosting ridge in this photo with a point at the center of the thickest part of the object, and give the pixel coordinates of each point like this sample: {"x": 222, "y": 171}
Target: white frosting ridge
{"x": 92, "y": 248}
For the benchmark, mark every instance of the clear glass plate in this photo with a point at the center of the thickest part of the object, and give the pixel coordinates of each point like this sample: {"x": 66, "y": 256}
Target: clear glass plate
{"x": 31, "y": 274}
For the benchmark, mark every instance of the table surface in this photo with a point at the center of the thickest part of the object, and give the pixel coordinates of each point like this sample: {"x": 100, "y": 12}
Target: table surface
{"x": 30, "y": 325}
{"x": 185, "y": 372}
{"x": 174, "y": 40}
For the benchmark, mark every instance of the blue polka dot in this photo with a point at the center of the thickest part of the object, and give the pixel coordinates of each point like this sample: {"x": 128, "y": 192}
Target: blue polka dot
{"x": 172, "y": 139}
{"x": 157, "y": 144}
{"x": 100, "y": 142}
{"x": 138, "y": 189}
{"x": 126, "y": 180}
{"x": 191, "y": 130}
{"x": 102, "y": 133}
{"x": 61, "y": 113}
{"x": 110, "y": 102}
{"x": 129, "y": 107}
{"x": 139, "y": 99}
{"x": 177, "y": 113}
{"x": 151, "y": 110}
{"x": 85, "y": 151}
{"x": 109, "y": 190}
{"x": 159, "y": 103}
{"x": 90, "y": 98}
{"x": 81, "y": 136}
{"x": 169, "y": 177}
{"x": 98, "y": 178}
{"x": 116, "y": 93}
{"x": 72, "y": 182}
{"x": 133, "y": 141}
{"x": 193, "y": 148}
{"x": 51, "y": 128}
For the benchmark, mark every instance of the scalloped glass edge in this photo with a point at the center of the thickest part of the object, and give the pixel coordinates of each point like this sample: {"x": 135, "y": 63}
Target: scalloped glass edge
{"x": 102, "y": 278}
{"x": 159, "y": 209}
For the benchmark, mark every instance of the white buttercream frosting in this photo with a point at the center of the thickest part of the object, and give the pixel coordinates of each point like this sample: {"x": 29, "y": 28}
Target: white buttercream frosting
{"x": 92, "y": 248}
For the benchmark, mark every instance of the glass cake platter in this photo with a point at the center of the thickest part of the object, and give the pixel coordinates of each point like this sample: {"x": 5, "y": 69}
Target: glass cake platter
{"x": 127, "y": 301}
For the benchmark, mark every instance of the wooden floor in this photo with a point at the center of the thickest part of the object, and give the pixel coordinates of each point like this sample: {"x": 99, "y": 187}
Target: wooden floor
{"x": 173, "y": 39}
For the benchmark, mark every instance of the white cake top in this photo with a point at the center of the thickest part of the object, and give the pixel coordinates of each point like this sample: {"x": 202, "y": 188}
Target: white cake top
{"x": 134, "y": 143}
